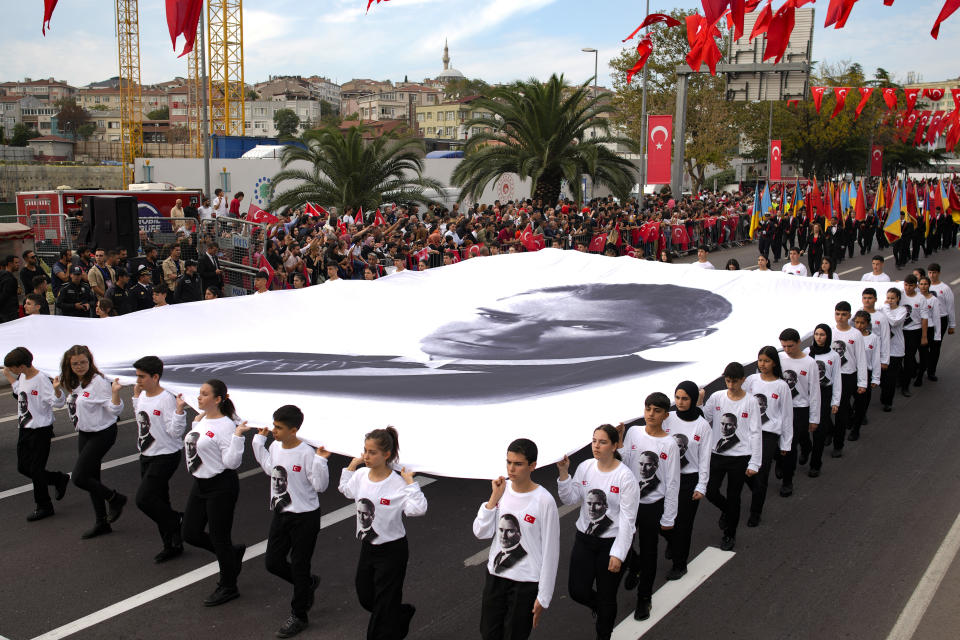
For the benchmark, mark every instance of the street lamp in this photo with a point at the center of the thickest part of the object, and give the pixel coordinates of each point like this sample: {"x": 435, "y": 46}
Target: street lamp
{"x": 596, "y": 55}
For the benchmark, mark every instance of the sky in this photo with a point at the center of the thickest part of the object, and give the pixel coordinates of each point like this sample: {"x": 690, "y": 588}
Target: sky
{"x": 496, "y": 40}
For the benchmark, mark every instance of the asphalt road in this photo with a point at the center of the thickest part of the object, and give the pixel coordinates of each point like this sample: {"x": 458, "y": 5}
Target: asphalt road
{"x": 839, "y": 559}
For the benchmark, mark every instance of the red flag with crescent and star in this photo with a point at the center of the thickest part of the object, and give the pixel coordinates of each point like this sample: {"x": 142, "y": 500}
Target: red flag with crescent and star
{"x": 934, "y": 94}
{"x": 841, "y": 93}
{"x": 912, "y": 95}
{"x": 890, "y": 97}
{"x": 876, "y": 161}
{"x": 817, "y": 93}
{"x": 658, "y": 149}
{"x": 865, "y": 93}
{"x": 776, "y": 155}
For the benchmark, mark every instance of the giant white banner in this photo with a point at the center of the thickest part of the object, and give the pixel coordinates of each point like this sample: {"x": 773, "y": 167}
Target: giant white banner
{"x": 462, "y": 359}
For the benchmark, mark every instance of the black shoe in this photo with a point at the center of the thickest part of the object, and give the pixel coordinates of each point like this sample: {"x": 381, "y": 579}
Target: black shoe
{"x": 906, "y": 392}
{"x": 722, "y": 522}
{"x": 804, "y": 456}
{"x": 40, "y": 513}
{"x": 676, "y": 573}
{"x": 61, "y": 486}
{"x": 408, "y": 611}
{"x": 836, "y": 453}
{"x": 314, "y": 583}
{"x": 176, "y": 536}
{"x": 887, "y": 408}
{"x": 813, "y": 473}
{"x": 642, "y": 612}
{"x": 777, "y": 471}
{"x": 864, "y": 421}
{"x": 239, "y": 550}
{"x": 728, "y": 543}
{"x": 853, "y": 436}
{"x": 631, "y": 581}
{"x": 291, "y": 627}
{"x": 99, "y": 529}
{"x": 115, "y": 506}
{"x": 753, "y": 520}
{"x": 667, "y": 553}
{"x": 918, "y": 382}
{"x": 168, "y": 553}
{"x": 931, "y": 377}
{"x": 221, "y": 595}
{"x": 786, "y": 491}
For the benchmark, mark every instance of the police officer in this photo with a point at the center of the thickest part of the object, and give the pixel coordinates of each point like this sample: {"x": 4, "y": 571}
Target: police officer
{"x": 188, "y": 287}
{"x": 141, "y": 294}
{"x": 76, "y": 298}
{"x": 117, "y": 293}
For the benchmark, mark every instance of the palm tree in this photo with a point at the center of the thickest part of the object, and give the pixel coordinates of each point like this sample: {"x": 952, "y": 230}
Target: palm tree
{"x": 539, "y": 131}
{"x": 348, "y": 171}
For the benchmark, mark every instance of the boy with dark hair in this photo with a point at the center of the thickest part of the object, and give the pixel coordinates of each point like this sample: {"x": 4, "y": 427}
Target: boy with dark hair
{"x": 297, "y": 474}
{"x": 848, "y": 343}
{"x": 522, "y": 565}
{"x": 801, "y": 373}
{"x": 34, "y": 394}
{"x": 161, "y": 424}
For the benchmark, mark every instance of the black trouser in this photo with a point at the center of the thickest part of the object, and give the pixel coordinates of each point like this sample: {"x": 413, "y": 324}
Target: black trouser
{"x": 379, "y": 582}
{"x": 507, "y": 609}
{"x": 33, "y": 450}
{"x": 734, "y": 468}
{"x": 293, "y": 534}
{"x": 916, "y": 241}
{"x": 765, "y": 248}
{"x": 861, "y": 401}
{"x": 901, "y": 251}
{"x": 208, "y": 521}
{"x": 589, "y": 562}
{"x": 644, "y": 559}
{"x": 911, "y": 345}
{"x": 824, "y": 429}
{"x": 848, "y": 390}
{"x": 935, "y": 346}
{"x": 888, "y": 380}
{"x": 679, "y": 541}
{"x": 92, "y": 446}
{"x": 775, "y": 247}
{"x": 814, "y": 260}
{"x": 758, "y": 483}
{"x": 923, "y": 353}
{"x": 801, "y": 441}
{"x": 153, "y": 496}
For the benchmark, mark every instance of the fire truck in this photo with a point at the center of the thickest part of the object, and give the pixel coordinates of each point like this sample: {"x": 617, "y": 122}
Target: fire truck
{"x": 53, "y": 214}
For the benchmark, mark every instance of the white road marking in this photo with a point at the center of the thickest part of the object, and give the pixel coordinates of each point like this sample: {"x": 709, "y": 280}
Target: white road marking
{"x": 916, "y": 607}
{"x": 955, "y": 282}
{"x": 187, "y": 579}
{"x": 106, "y": 465}
{"x": 673, "y": 592}
{"x": 11, "y": 419}
{"x": 849, "y": 271}
{"x": 480, "y": 557}
{"x": 73, "y": 434}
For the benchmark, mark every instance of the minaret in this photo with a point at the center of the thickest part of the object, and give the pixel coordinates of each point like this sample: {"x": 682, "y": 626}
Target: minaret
{"x": 446, "y": 56}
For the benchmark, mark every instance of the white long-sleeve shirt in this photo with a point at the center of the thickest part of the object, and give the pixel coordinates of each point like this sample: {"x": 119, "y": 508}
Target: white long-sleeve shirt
{"x": 35, "y": 401}
{"x": 745, "y": 440}
{"x": 828, "y": 367}
{"x": 805, "y": 385}
{"x": 160, "y": 428}
{"x": 381, "y": 505}
{"x": 779, "y": 403}
{"x": 946, "y": 297}
{"x": 525, "y": 528}
{"x": 916, "y": 311}
{"x": 91, "y": 408}
{"x": 871, "y": 348}
{"x": 655, "y": 462}
{"x": 933, "y": 317}
{"x": 211, "y": 447}
{"x": 880, "y": 326}
{"x": 853, "y": 356}
{"x": 896, "y": 318}
{"x": 695, "y": 452}
{"x": 610, "y": 515}
{"x": 297, "y": 475}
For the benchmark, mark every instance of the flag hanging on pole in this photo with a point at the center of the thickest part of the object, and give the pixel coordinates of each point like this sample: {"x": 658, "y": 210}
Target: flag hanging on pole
{"x": 876, "y": 161}
{"x": 776, "y": 155}
{"x": 861, "y": 204}
{"x": 755, "y": 214}
{"x": 658, "y": 149}
{"x": 891, "y": 225}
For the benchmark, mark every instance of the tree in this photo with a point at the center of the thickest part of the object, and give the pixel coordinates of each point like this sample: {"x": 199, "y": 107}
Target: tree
{"x": 539, "y": 131}
{"x": 99, "y": 107}
{"x": 22, "y": 133}
{"x": 86, "y": 130}
{"x": 70, "y": 116}
{"x": 287, "y": 122}
{"x": 464, "y": 88}
{"x": 178, "y": 135}
{"x": 163, "y": 113}
{"x": 250, "y": 94}
{"x": 346, "y": 171}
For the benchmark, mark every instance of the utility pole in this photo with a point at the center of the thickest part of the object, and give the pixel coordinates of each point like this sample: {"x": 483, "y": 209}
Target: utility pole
{"x": 204, "y": 111}
{"x": 643, "y": 128}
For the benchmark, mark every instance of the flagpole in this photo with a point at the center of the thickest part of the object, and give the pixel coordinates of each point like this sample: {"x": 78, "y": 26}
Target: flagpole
{"x": 643, "y": 130}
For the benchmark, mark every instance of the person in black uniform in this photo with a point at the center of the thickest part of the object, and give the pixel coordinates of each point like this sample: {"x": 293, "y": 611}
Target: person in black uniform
{"x": 916, "y": 239}
{"x": 865, "y": 232}
{"x": 188, "y": 287}
{"x": 76, "y": 298}
{"x": 849, "y": 233}
{"x": 141, "y": 293}
{"x": 767, "y": 234}
{"x": 803, "y": 230}
{"x": 789, "y": 235}
{"x": 118, "y": 294}
{"x": 901, "y": 247}
{"x": 777, "y": 239}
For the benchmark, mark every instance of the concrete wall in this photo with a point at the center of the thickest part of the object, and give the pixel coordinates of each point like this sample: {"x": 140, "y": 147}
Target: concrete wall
{"x": 36, "y": 177}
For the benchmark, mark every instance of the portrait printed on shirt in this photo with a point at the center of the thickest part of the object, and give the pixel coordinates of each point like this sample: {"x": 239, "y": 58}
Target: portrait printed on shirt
{"x": 144, "y": 437}
{"x": 822, "y": 368}
{"x": 596, "y": 501}
{"x": 762, "y": 403}
{"x": 190, "y": 450}
{"x": 841, "y": 348}
{"x": 791, "y": 377}
{"x": 728, "y": 433}
{"x": 278, "y": 485}
{"x": 649, "y": 462}
{"x": 23, "y": 410}
{"x": 683, "y": 443}
{"x": 511, "y": 551}
{"x": 365, "y": 515}
{"x": 72, "y": 408}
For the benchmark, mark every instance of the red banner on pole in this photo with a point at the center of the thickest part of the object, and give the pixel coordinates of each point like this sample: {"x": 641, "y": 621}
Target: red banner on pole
{"x": 876, "y": 161}
{"x": 658, "y": 149}
{"x": 776, "y": 155}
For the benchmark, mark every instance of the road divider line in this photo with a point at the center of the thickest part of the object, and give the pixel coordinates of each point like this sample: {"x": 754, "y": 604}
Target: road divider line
{"x": 480, "y": 557}
{"x": 11, "y": 419}
{"x": 849, "y": 271}
{"x": 917, "y": 605}
{"x": 187, "y": 579}
{"x": 674, "y": 592}
{"x": 955, "y": 282}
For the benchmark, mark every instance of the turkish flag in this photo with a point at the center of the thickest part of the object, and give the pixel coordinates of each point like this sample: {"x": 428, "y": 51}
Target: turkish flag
{"x": 315, "y": 210}
{"x": 701, "y": 36}
{"x": 526, "y": 239}
{"x": 841, "y": 93}
{"x": 644, "y": 48}
{"x": 890, "y": 97}
{"x": 763, "y": 21}
{"x": 182, "y": 18}
{"x": 912, "y": 95}
{"x": 654, "y": 18}
{"x": 838, "y": 12}
{"x": 598, "y": 243}
{"x": 936, "y": 126}
{"x": 792, "y": 103}
{"x": 817, "y": 96}
{"x": 935, "y": 95}
{"x": 876, "y": 161}
{"x": 909, "y": 120}
{"x": 264, "y": 265}
{"x": 921, "y": 127}
{"x": 860, "y": 208}
{"x": 378, "y": 218}
{"x": 258, "y": 215}
{"x": 948, "y": 8}
{"x": 776, "y": 155}
{"x": 865, "y": 93}
{"x": 956, "y": 97}
{"x": 658, "y": 149}
{"x": 778, "y": 33}
{"x": 48, "y": 7}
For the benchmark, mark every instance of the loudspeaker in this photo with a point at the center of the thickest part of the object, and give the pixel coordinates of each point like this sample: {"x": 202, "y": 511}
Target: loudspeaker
{"x": 115, "y": 223}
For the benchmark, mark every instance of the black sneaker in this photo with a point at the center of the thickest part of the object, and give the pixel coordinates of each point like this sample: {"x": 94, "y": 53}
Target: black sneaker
{"x": 786, "y": 491}
{"x": 642, "y": 612}
{"x": 865, "y": 420}
{"x": 314, "y": 583}
{"x": 906, "y": 392}
{"x": 804, "y": 457}
{"x": 221, "y": 595}
{"x": 722, "y": 522}
{"x": 115, "y": 506}
{"x": 99, "y": 529}
{"x": 292, "y": 627}
{"x": 631, "y": 581}
{"x": 918, "y": 382}
{"x": 931, "y": 377}
{"x": 676, "y": 573}
{"x": 887, "y": 408}
{"x": 728, "y": 543}
{"x": 40, "y": 513}
{"x": 836, "y": 453}
{"x": 753, "y": 520}
{"x": 813, "y": 473}
{"x": 408, "y": 610}
{"x": 853, "y": 436}
{"x": 239, "y": 550}
{"x": 168, "y": 553}
{"x": 61, "y": 486}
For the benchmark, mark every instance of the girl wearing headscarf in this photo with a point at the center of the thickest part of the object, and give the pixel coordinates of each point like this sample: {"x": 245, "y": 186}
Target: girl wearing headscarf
{"x": 828, "y": 364}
